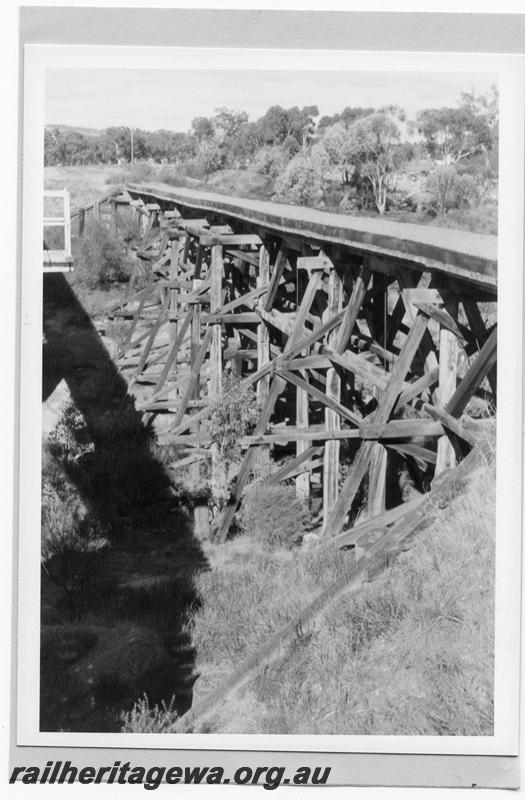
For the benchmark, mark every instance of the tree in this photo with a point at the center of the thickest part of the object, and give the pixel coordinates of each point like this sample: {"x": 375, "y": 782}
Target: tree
{"x": 273, "y": 125}
{"x": 66, "y": 146}
{"x": 51, "y": 146}
{"x": 301, "y": 124}
{"x": 228, "y": 123}
{"x": 486, "y": 106}
{"x": 269, "y": 161}
{"x": 452, "y": 134}
{"x": 119, "y": 143}
{"x": 302, "y": 182}
{"x": 210, "y": 156}
{"x": 346, "y": 117}
{"x": 442, "y": 185}
{"x": 202, "y": 128}
{"x": 247, "y": 141}
{"x": 373, "y": 148}
{"x": 167, "y": 146}
{"x": 337, "y": 144}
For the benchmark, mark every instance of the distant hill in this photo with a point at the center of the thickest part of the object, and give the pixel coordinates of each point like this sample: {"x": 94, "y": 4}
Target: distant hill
{"x": 76, "y": 128}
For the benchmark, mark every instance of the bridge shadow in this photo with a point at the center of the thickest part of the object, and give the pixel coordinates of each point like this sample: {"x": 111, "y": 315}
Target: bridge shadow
{"x": 114, "y": 626}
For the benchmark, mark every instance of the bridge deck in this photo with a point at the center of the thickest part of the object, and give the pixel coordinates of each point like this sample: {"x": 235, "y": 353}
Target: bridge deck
{"x": 467, "y": 256}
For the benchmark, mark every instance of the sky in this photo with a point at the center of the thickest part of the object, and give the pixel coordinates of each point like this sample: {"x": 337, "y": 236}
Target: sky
{"x": 153, "y": 99}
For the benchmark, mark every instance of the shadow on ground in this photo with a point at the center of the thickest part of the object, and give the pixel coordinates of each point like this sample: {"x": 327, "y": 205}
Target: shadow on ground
{"x": 122, "y": 632}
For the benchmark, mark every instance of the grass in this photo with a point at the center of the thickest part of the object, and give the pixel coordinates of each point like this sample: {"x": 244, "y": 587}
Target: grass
{"x": 410, "y": 654}
{"x": 84, "y": 183}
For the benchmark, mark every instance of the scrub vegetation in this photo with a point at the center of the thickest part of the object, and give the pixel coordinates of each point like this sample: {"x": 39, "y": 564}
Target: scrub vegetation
{"x": 440, "y": 168}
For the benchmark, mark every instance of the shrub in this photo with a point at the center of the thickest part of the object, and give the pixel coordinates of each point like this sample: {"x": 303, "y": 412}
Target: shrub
{"x": 101, "y": 258}
{"x": 70, "y": 438}
{"x": 209, "y": 159}
{"x": 71, "y": 543}
{"x": 302, "y": 182}
{"x": 232, "y": 416}
{"x": 269, "y": 161}
{"x": 442, "y": 186}
{"x": 138, "y": 172}
{"x": 273, "y": 514}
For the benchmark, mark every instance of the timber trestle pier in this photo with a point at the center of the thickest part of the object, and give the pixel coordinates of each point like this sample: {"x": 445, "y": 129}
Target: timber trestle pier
{"x": 366, "y": 341}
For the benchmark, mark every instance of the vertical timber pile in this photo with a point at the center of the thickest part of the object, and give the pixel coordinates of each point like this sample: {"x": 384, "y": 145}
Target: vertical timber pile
{"x": 215, "y": 390}
{"x": 448, "y": 361}
{"x": 333, "y": 390}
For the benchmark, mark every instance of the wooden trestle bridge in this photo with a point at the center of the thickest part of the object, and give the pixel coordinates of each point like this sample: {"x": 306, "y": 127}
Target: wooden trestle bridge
{"x": 355, "y": 332}
{"x": 349, "y": 328}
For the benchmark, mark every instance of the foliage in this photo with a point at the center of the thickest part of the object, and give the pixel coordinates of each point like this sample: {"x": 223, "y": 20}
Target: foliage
{"x": 70, "y": 536}
{"x": 269, "y": 161}
{"x": 202, "y": 128}
{"x": 452, "y": 134}
{"x": 72, "y": 541}
{"x": 302, "y": 181}
{"x": 442, "y": 184}
{"x": 362, "y": 146}
{"x": 279, "y": 125}
{"x": 229, "y": 122}
{"x": 273, "y": 514}
{"x": 451, "y": 186}
{"x": 372, "y": 146}
{"x": 70, "y": 438}
{"x": 101, "y": 257}
{"x": 336, "y": 143}
{"x": 209, "y": 156}
{"x": 67, "y": 146}
{"x": 232, "y": 416}
{"x": 347, "y": 116}
{"x": 67, "y": 528}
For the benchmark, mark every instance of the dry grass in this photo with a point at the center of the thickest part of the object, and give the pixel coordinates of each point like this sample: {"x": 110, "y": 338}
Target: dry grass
{"x": 411, "y": 654}
{"x": 84, "y": 183}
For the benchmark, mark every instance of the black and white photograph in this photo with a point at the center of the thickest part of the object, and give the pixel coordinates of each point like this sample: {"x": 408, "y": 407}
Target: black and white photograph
{"x": 275, "y": 498}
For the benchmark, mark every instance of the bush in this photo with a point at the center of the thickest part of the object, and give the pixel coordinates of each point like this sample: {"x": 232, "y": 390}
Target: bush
{"x": 101, "y": 258}
{"x": 232, "y": 416}
{"x": 442, "y": 186}
{"x": 273, "y": 515}
{"x": 269, "y": 161}
{"x": 70, "y": 438}
{"x": 71, "y": 544}
{"x": 302, "y": 182}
